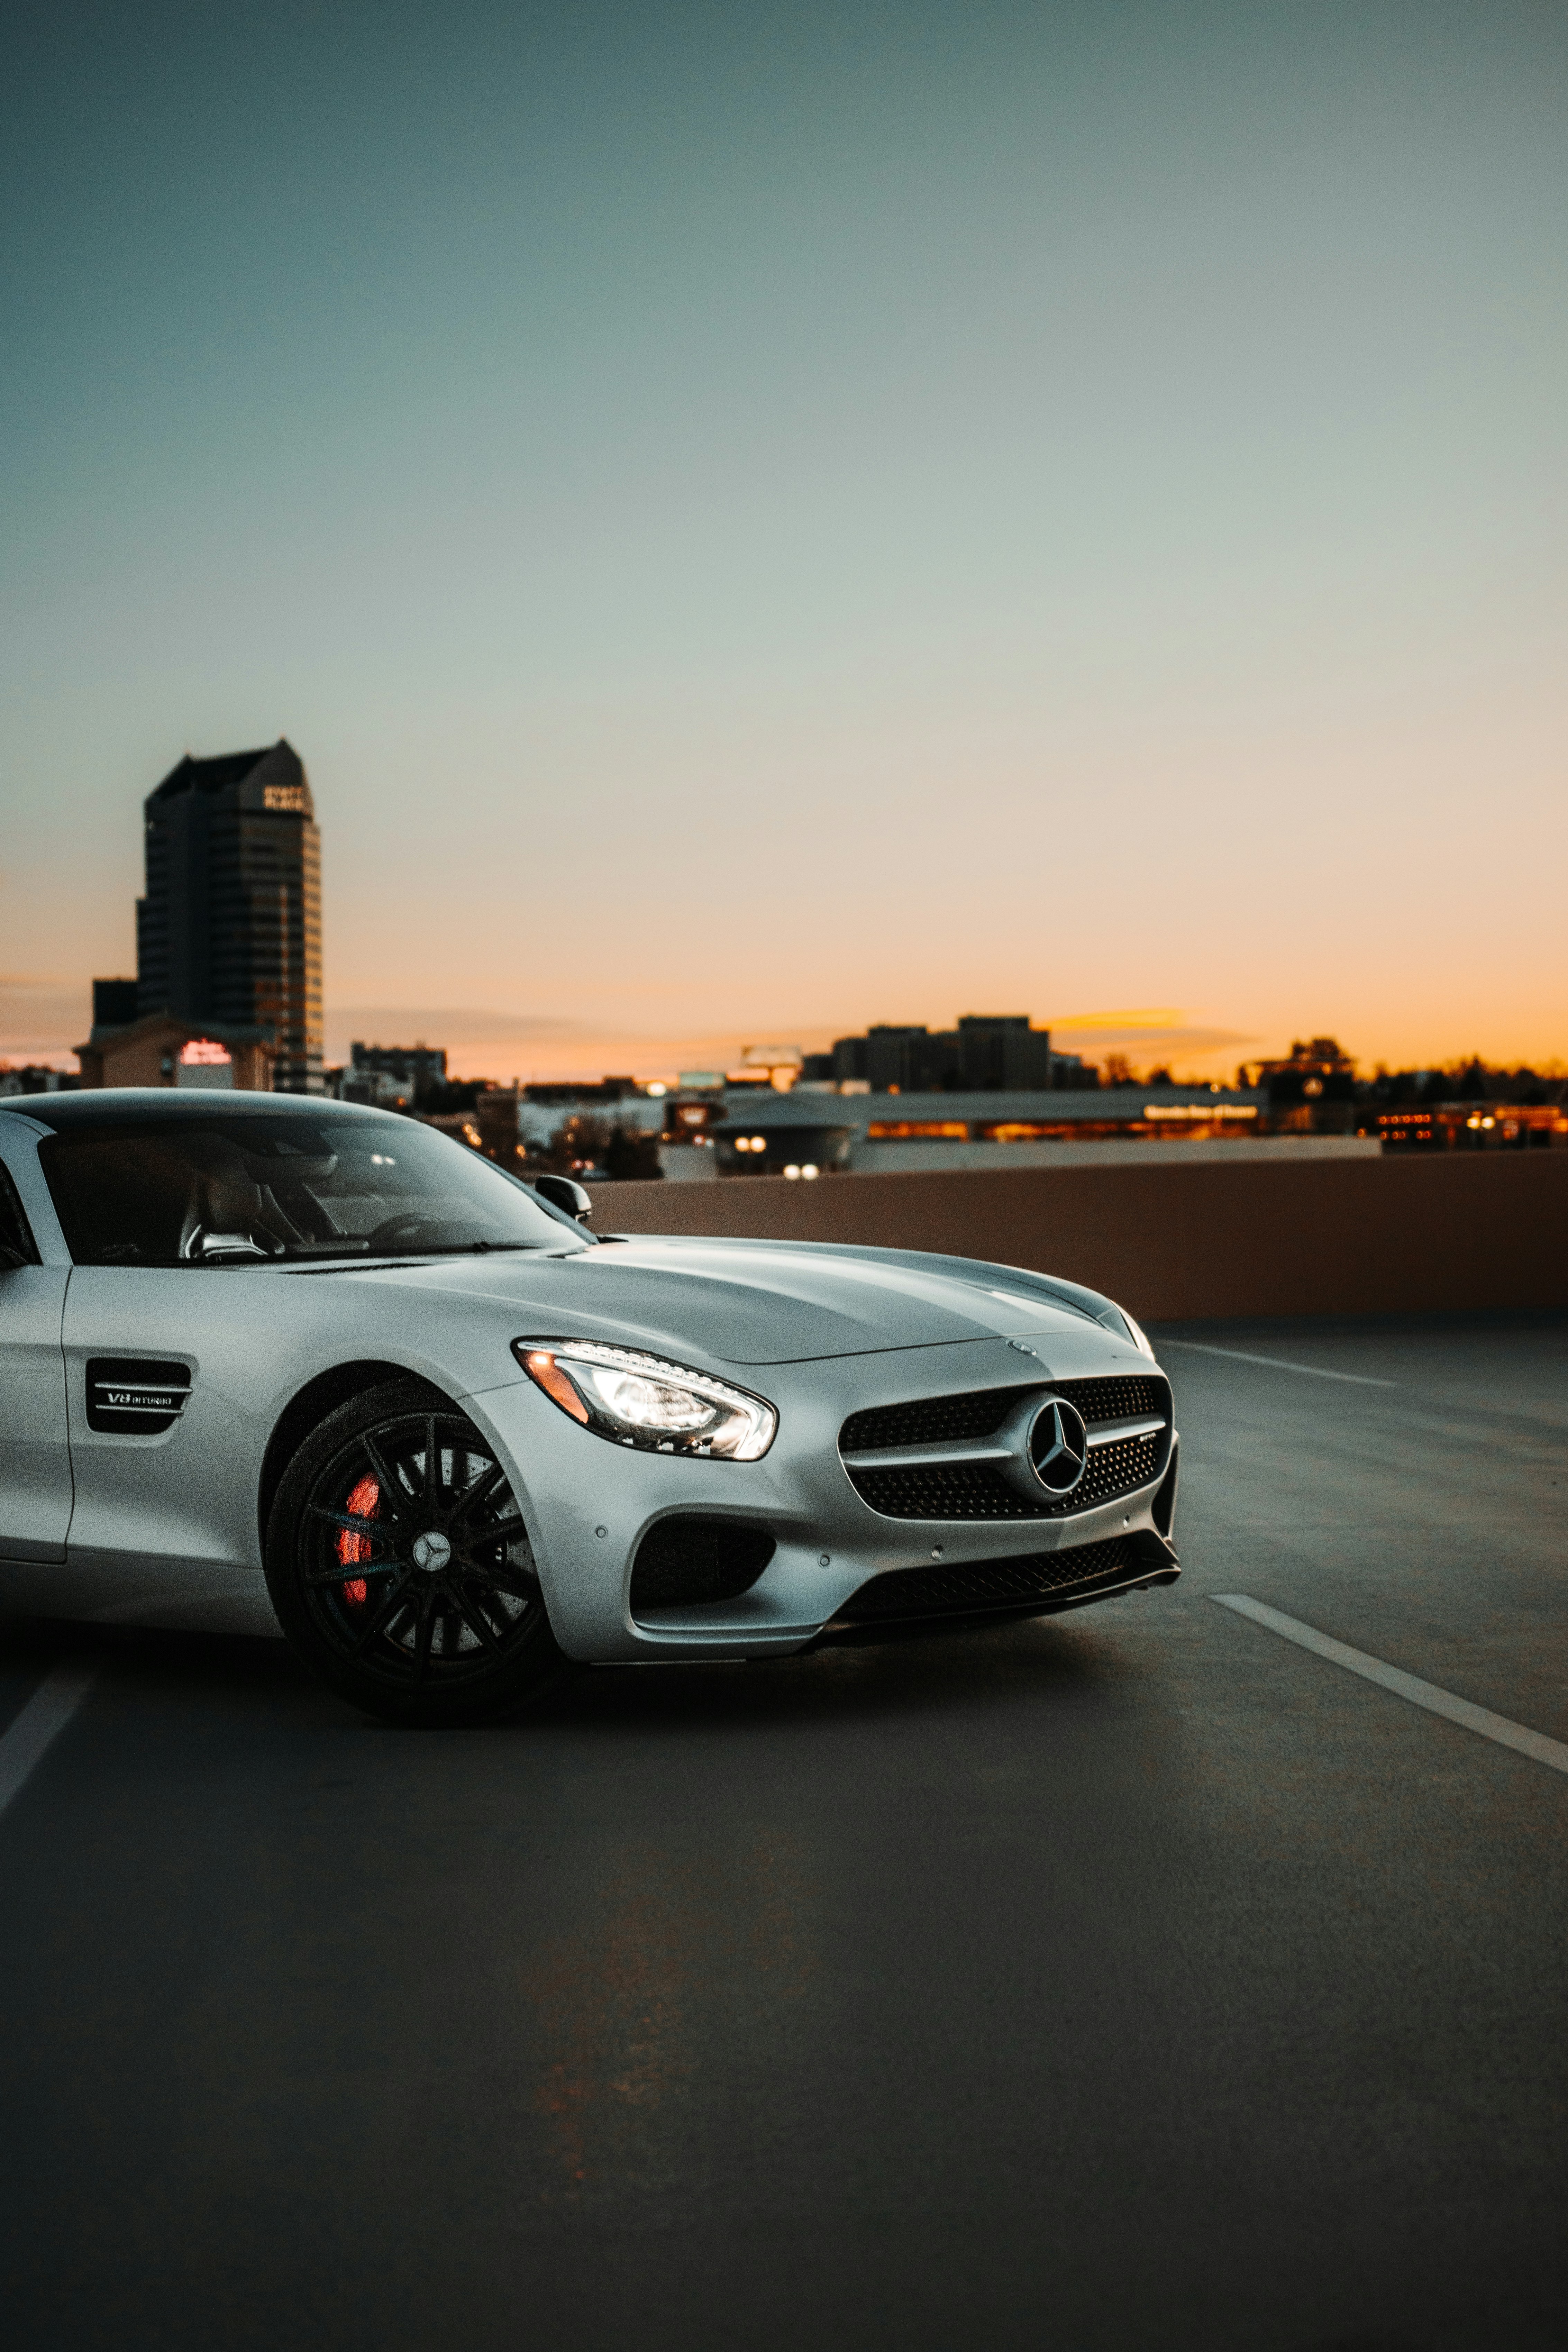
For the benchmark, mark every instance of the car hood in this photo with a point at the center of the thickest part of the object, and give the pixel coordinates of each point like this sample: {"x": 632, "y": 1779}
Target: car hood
{"x": 761, "y": 1303}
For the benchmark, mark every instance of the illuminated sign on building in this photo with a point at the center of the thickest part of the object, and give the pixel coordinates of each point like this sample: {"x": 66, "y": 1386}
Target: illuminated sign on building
{"x": 1199, "y": 1110}
{"x": 203, "y": 1062}
{"x": 287, "y": 800}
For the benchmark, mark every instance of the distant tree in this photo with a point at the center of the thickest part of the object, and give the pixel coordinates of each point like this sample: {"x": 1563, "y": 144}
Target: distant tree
{"x": 579, "y": 1142}
{"x": 631, "y": 1156}
{"x": 456, "y": 1095}
{"x": 584, "y": 1140}
{"x": 1321, "y": 1052}
{"x": 1118, "y": 1071}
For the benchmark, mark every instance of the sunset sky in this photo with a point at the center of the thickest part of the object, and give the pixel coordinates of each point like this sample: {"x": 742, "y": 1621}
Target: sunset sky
{"x": 760, "y": 520}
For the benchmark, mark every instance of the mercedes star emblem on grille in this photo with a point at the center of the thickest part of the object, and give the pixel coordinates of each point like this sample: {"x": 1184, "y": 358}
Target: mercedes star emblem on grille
{"x": 1057, "y": 1445}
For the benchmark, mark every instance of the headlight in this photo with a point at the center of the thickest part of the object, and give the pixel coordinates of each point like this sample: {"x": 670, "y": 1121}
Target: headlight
{"x": 1139, "y": 1336}
{"x": 647, "y": 1402}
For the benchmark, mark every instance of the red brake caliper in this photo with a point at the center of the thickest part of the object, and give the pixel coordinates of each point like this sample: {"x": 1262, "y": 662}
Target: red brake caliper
{"x": 362, "y": 1503}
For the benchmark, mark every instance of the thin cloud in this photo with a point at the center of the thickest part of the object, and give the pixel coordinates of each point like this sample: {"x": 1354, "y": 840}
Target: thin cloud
{"x": 1163, "y": 1030}
{"x": 400, "y": 1025}
{"x": 41, "y": 1015}
{"x": 1159, "y": 1016}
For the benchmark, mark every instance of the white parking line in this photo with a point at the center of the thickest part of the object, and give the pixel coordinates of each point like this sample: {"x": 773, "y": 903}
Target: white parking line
{"x": 1534, "y": 1744}
{"x": 28, "y": 1734}
{"x": 1278, "y": 1364}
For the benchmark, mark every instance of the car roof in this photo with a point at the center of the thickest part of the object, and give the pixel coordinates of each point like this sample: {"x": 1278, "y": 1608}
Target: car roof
{"x": 138, "y": 1105}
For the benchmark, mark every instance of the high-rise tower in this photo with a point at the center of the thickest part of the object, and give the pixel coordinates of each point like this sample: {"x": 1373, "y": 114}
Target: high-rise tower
{"x": 230, "y": 928}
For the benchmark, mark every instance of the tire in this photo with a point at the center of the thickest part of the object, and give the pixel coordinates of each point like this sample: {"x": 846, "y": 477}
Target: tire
{"x": 418, "y": 1604}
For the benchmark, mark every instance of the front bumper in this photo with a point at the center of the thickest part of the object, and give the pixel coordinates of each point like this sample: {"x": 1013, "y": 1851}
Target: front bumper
{"x": 588, "y": 1505}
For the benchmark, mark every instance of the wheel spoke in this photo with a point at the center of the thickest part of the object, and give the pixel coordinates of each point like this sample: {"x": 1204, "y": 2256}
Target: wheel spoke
{"x": 480, "y": 1540}
{"x": 424, "y": 1633}
{"x": 388, "y": 1608}
{"x": 344, "y": 1571}
{"x": 499, "y": 1530}
{"x": 474, "y": 1617}
{"x": 478, "y": 1493}
{"x": 394, "y": 1497}
{"x": 504, "y": 1579}
{"x": 352, "y": 1523}
{"x": 432, "y": 1462}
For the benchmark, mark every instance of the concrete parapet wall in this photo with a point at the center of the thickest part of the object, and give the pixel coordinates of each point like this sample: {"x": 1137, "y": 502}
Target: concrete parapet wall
{"x": 1109, "y": 1151}
{"x": 1231, "y": 1237}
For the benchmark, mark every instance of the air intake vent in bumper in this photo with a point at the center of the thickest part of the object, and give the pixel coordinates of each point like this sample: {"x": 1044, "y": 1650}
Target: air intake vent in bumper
{"x": 687, "y": 1562}
{"x": 1044, "y": 1579}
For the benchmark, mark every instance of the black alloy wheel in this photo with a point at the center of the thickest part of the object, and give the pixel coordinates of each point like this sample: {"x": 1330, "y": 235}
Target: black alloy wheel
{"x": 400, "y": 1567}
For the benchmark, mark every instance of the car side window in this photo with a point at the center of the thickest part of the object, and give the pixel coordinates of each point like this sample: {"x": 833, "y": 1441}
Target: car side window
{"x": 120, "y": 1196}
{"x": 15, "y": 1233}
{"x": 222, "y": 1189}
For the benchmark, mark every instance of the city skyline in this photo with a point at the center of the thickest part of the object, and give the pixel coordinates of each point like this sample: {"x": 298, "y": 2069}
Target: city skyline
{"x": 487, "y": 1044}
{"x": 762, "y": 528}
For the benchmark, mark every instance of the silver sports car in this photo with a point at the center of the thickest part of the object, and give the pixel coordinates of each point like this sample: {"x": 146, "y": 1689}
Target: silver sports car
{"x": 268, "y": 1362}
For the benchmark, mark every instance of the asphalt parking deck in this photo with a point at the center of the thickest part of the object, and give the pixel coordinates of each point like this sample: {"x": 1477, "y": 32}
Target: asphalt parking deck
{"x": 1135, "y": 1977}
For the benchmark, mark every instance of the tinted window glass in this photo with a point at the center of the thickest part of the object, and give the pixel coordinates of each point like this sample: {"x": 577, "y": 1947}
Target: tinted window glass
{"x": 240, "y": 1191}
{"x": 15, "y": 1230}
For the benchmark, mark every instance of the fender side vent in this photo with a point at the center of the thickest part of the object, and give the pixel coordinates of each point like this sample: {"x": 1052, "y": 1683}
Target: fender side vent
{"x": 687, "y": 1562}
{"x": 135, "y": 1396}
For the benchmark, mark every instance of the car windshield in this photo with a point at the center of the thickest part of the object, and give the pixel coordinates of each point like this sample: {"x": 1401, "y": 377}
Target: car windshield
{"x": 265, "y": 1188}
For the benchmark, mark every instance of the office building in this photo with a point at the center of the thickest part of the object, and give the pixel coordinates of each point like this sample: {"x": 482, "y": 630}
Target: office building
{"x": 391, "y": 1075}
{"x": 228, "y": 935}
{"x": 986, "y": 1052}
{"x": 115, "y": 1003}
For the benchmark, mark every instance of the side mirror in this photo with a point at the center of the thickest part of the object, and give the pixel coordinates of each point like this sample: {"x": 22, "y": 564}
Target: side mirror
{"x": 562, "y": 1193}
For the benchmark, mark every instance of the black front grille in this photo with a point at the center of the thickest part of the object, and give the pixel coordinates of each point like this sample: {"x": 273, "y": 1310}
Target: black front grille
{"x": 941, "y": 1421}
{"x": 984, "y": 1584}
{"x": 687, "y": 1562}
{"x": 929, "y": 1420}
{"x": 977, "y": 1490}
